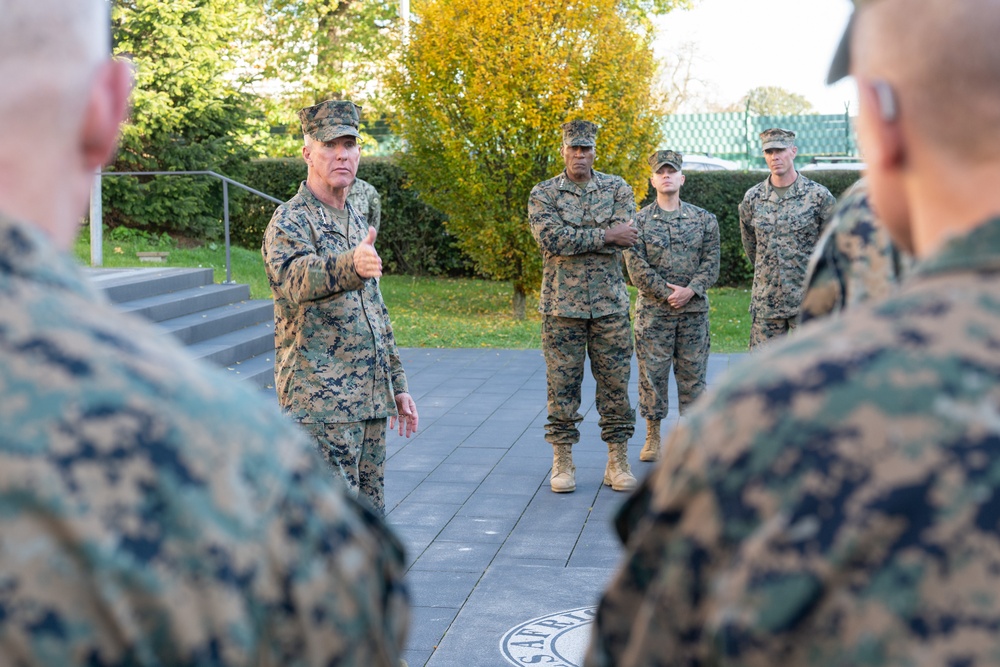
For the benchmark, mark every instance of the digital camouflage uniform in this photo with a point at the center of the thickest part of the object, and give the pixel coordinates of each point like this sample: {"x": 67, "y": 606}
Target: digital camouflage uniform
{"x": 584, "y": 302}
{"x": 855, "y": 260}
{"x": 681, "y": 248}
{"x": 337, "y": 369}
{"x": 364, "y": 198}
{"x": 835, "y": 501}
{"x": 336, "y": 362}
{"x": 154, "y": 511}
{"x": 779, "y": 234}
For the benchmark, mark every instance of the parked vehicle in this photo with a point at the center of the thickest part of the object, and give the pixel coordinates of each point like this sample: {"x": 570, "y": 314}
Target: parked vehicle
{"x": 834, "y": 162}
{"x": 698, "y": 162}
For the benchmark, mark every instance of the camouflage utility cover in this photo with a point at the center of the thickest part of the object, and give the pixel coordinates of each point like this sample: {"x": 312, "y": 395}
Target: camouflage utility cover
{"x": 155, "y": 512}
{"x": 776, "y": 137}
{"x": 779, "y": 234}
{"x": 660, "y": 158}
{"x": 855, "y": 259}
{"x": 835, "y": 501}
{"x": 581, "y": 276}
{"x": 683, "y": 250}
{"x": 331, "y": 119}
{"x": 363, "y": 197}
{"x": 579, "y": 133}
{"x": 336, "y": 359}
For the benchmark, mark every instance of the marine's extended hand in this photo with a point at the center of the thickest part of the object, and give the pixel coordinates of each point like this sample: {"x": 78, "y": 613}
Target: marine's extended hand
{"x": 623, "y": 234}
{"x": 407, "y": 418}
{"x": 367, "y": 263}
{"x": 680, "y": 295}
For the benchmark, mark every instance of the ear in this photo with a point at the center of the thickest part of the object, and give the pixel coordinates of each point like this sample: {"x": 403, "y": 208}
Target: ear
{"x": 107, "y": 107}
{"x": 682, "y": 179}
{"x": 305, "y": 153}
{"x": 878, "y": 126}
{"x": 795, "y": 151}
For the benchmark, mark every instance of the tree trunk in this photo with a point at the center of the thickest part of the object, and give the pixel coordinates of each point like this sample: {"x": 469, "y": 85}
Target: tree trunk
{"x": 519, "y": 299}
{"x": 330, "y": 48}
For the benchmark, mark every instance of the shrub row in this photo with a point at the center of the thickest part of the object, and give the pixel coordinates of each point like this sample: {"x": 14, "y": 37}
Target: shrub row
{"x": 413, "y": 239}
{"x": 720, "y": 192}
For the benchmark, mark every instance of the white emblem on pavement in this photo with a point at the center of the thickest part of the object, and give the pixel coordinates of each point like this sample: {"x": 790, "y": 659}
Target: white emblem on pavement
{"x": 556, "y": 640}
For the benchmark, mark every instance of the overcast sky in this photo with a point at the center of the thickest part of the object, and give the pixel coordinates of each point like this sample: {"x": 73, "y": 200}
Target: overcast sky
{"x": 744, "y": 44}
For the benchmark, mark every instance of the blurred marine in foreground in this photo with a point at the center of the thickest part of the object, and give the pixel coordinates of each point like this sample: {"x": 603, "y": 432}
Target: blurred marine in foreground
{"x": 152, "y": 511}
{"x": 854, "y": 261}
{"x": 836, "y": 501}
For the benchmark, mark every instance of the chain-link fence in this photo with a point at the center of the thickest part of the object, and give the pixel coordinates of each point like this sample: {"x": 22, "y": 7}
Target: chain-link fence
{"x": 734, "y": 136}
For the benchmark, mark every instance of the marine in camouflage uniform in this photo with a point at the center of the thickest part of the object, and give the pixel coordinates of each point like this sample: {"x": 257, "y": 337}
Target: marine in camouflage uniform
{"x": 156, "y": 512}
{"x": 363, "y": 197}
{"x": 781, "y": 220}
{"x": 337, "y": 369}
{"x": 855, "y": 260}
{"x": 834, "y": 503}
{"x": 836, "y": 500}
{"x": 581, "y": 221}
{"x": 674, "y": 262}
{"x": 152, "y": 510}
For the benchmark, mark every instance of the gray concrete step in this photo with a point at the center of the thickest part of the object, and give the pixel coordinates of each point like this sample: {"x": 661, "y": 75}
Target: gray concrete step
{"x": 194, "y": 300}
{"x": 218, "y": 323}
{"x": 122, "y": 285}
{"x": 206, "y": 324}
{"x": 257, "y": 370}
{"x": 236, "y": 346}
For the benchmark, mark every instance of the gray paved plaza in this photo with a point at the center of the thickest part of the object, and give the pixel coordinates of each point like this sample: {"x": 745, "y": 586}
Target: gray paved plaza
{"x": 501, "y": 570}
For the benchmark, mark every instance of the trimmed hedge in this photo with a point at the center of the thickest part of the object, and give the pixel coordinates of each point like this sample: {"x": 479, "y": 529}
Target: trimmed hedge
{"x": 720, "y": 192}
{"x": 279, "y": 178}
{"x": 412, "y": 238}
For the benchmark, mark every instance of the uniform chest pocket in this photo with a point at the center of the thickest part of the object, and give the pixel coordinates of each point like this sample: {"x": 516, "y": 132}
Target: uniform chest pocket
{"x": 687, "y": 235}
{"x": 570, "y": 211}
{"x": 586, "y": 212}
{"x": 800, "y": 218}
{"x": 767, "y": 217}
{"x": 332, "y": 245}
{"x": 600, "y": 209}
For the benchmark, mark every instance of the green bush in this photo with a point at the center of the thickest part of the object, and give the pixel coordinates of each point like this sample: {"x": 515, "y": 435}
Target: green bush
{"x": 279, "y": 178}
{"x": 413, "y": 239}
{"x": 720, "y": 192}
{"x": 412, "y": 236}
{"x": 189, "y": 206}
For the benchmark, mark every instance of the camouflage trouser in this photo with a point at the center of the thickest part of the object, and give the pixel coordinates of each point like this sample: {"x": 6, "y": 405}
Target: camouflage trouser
{"x": 663, "y": 339}
{"x": 763, "y": 329}
{"x": 356, "y": 450}
{"x": 566, "y": 341}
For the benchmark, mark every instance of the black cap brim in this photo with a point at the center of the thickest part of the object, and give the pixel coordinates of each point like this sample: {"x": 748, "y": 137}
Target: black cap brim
{"x": 841, "y": 65}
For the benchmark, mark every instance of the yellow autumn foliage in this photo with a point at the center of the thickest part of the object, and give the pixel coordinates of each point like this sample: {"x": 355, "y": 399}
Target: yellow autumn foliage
{"x": 480, "y": 90}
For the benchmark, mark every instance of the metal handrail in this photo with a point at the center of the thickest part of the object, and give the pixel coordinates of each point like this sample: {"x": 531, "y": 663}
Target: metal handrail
{"x": 97, "y": 237}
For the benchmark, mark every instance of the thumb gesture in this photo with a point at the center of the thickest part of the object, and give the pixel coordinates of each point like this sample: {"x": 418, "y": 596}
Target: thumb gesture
{"x": 367, "y": 263}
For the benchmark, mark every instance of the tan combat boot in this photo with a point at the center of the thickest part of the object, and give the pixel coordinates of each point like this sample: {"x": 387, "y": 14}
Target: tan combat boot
{"x": 651, "y": 450}
{"x": 617, "y": 474}
{"x": 563, "y": 471}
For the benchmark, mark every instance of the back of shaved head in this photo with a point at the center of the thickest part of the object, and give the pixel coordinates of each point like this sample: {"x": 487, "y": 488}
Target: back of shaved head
{"x": 57, "y": 30}
{"x": 48, "y": 51}
{"x": 942, "y": 59}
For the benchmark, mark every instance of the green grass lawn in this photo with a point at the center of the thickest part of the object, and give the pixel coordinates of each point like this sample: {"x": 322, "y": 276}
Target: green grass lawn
{"x": 426, "y": 312}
